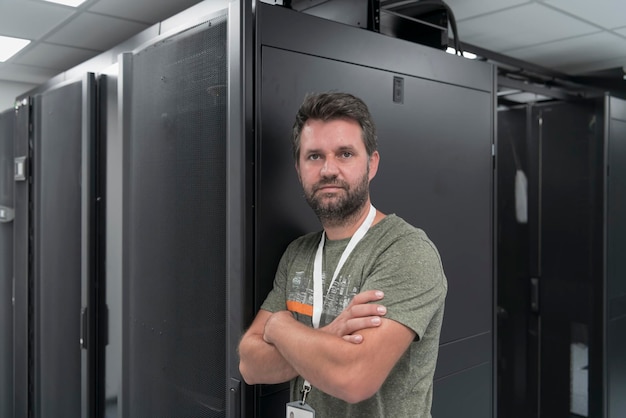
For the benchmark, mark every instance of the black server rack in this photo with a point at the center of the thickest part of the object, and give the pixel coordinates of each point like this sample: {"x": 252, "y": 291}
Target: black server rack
{"x": 560, "y": 294}
{"x": 201, "y": 199}
{"x": 186, "y": 215}
{"x": 7, "y": 123}
{"x": 54, "y": 215}
{"x": 190, "y": 149}
{"x": 174, "y": 297}
{"x": 436, "y": 143}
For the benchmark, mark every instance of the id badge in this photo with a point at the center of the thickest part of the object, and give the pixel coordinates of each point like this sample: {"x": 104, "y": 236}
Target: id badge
{"x": 297, "y": 409}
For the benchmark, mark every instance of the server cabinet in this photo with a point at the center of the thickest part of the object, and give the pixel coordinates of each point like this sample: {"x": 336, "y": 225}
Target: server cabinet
{"x": 54, "y": 207}
{"x": 569, "y": 256}
{"x": 560, "y": 298}
{"x": 201, "y": 199}
{"x": 436, "y": 171}
{"x": 7, "y": 123}
{"x": 184, "y": 234}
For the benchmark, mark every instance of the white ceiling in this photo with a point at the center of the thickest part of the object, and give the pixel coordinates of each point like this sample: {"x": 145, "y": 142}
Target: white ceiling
{"x": 569, "y": 36}
{"x": 63, "y": 37}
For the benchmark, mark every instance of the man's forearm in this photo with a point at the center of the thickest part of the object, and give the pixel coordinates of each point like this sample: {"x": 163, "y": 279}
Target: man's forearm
{"x": 351, "y": 372}
{"x": 314, "y": 354}
{"x": 260, "y": 362}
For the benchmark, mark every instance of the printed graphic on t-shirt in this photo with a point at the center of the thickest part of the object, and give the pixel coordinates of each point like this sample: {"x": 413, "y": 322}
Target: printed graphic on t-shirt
{"x": 300, "y": 295}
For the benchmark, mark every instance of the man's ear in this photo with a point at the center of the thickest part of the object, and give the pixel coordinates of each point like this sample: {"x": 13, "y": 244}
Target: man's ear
{"x": 373, "y": 163}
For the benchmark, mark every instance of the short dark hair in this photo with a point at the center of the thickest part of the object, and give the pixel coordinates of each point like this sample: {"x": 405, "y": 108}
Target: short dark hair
{"x": 330, "y": 106}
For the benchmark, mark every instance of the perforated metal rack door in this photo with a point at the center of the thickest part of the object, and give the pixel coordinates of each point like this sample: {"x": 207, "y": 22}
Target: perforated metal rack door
{"x": 175, "y": 226}
{"x": 56, "y": 293}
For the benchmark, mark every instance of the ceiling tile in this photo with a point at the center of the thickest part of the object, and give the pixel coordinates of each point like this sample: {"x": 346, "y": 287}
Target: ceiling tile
{"x": 197, "y": 14}
{"x": 464, "y": 9}
{"x": 30, "y": 19}
{"x": 608, "y": 14}
{"x": 97, "y": 32}
{"x": 147, "y": 11}
{"x": 543, "y": 32}
{"x": 519, "y": 27}
{"x": 56, "y": 57}
{"x": 25, "y": 74}
{"x": 576, "y": 55}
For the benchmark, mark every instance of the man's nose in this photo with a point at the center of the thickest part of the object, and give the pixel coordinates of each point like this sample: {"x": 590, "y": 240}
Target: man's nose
{"x": 329, "y": 167}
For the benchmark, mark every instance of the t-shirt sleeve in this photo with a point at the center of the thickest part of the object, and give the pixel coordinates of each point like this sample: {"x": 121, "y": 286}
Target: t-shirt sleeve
{"x": 410, "y": 273}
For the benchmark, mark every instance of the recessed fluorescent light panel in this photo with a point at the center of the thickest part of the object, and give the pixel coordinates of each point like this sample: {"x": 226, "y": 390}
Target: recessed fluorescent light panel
{"x": 11, "y": 46}
{"x": 71, "y": 3}
{"x": 466, "y": 54}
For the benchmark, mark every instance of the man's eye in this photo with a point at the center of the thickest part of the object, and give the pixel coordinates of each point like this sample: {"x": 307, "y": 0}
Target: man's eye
{"x": 314, "y": 157}
{"x": 346, "y": 154}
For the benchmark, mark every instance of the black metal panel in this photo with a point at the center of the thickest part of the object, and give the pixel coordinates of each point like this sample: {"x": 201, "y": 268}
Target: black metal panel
{"x": 616, "y": 368}
{"x": 240, "y": 199}
{"x": 466, "y": 394}
{"x": 21, "y": 269}
{"x": 450, "y": 171}
{"x": 57, "y": 249}
{"x": 616, "y": 209}
{"x": 465, "y": 354}
{"x": 351, "y": 12}
{"x": 112, "y": 290}
{"x": 449, "y": 194}
{"x": 92, "y": 256}
{"x": 570, "y": 248}
{"x": 517, "y": 368}
{"x": 174, "y": 260}
{"x": 7, "y": 123}
{"x": 424, "y": 23}
{"x": 286, "y": 29}
{"x": 616, "y": 263}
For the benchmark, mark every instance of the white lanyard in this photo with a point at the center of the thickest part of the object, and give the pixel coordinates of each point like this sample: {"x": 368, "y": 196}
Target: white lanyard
{"x": 318, "y": 299}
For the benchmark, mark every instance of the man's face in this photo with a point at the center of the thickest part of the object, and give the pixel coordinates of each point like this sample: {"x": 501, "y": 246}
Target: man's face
{"x": 334, "y": 168}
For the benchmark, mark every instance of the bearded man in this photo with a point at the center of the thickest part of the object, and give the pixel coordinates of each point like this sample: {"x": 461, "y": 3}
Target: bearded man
{"x": 355, "y": 313}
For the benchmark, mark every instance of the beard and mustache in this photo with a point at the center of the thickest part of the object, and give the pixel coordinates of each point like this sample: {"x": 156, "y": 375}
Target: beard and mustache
{"x": 336, "y": 209}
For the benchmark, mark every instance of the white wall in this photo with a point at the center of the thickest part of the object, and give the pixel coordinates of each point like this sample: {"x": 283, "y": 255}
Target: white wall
{"x": 9, "y": 91}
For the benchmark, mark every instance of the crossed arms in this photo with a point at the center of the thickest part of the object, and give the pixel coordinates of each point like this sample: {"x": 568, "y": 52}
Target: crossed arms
{"x": 349, "y": 358}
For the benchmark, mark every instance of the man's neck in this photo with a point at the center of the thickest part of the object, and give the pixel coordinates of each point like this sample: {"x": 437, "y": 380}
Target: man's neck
{"x": 346, "y": 230}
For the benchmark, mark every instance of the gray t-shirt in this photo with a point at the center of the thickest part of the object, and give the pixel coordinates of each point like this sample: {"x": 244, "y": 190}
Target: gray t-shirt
{"x": 398, "y": 259}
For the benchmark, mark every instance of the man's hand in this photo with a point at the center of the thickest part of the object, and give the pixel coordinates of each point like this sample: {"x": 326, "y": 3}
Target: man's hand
{"x": 360, "y": 314}
{"x": 260, "y": 362}
{"x": 333, "y": 359}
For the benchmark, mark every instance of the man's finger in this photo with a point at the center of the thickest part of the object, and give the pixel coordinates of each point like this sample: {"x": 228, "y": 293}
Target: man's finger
{"x": 358, "y": 324}
{"x": 354, "y": 339}
{"x": 361, "y": 310}
{"x": 368, "y": 296}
